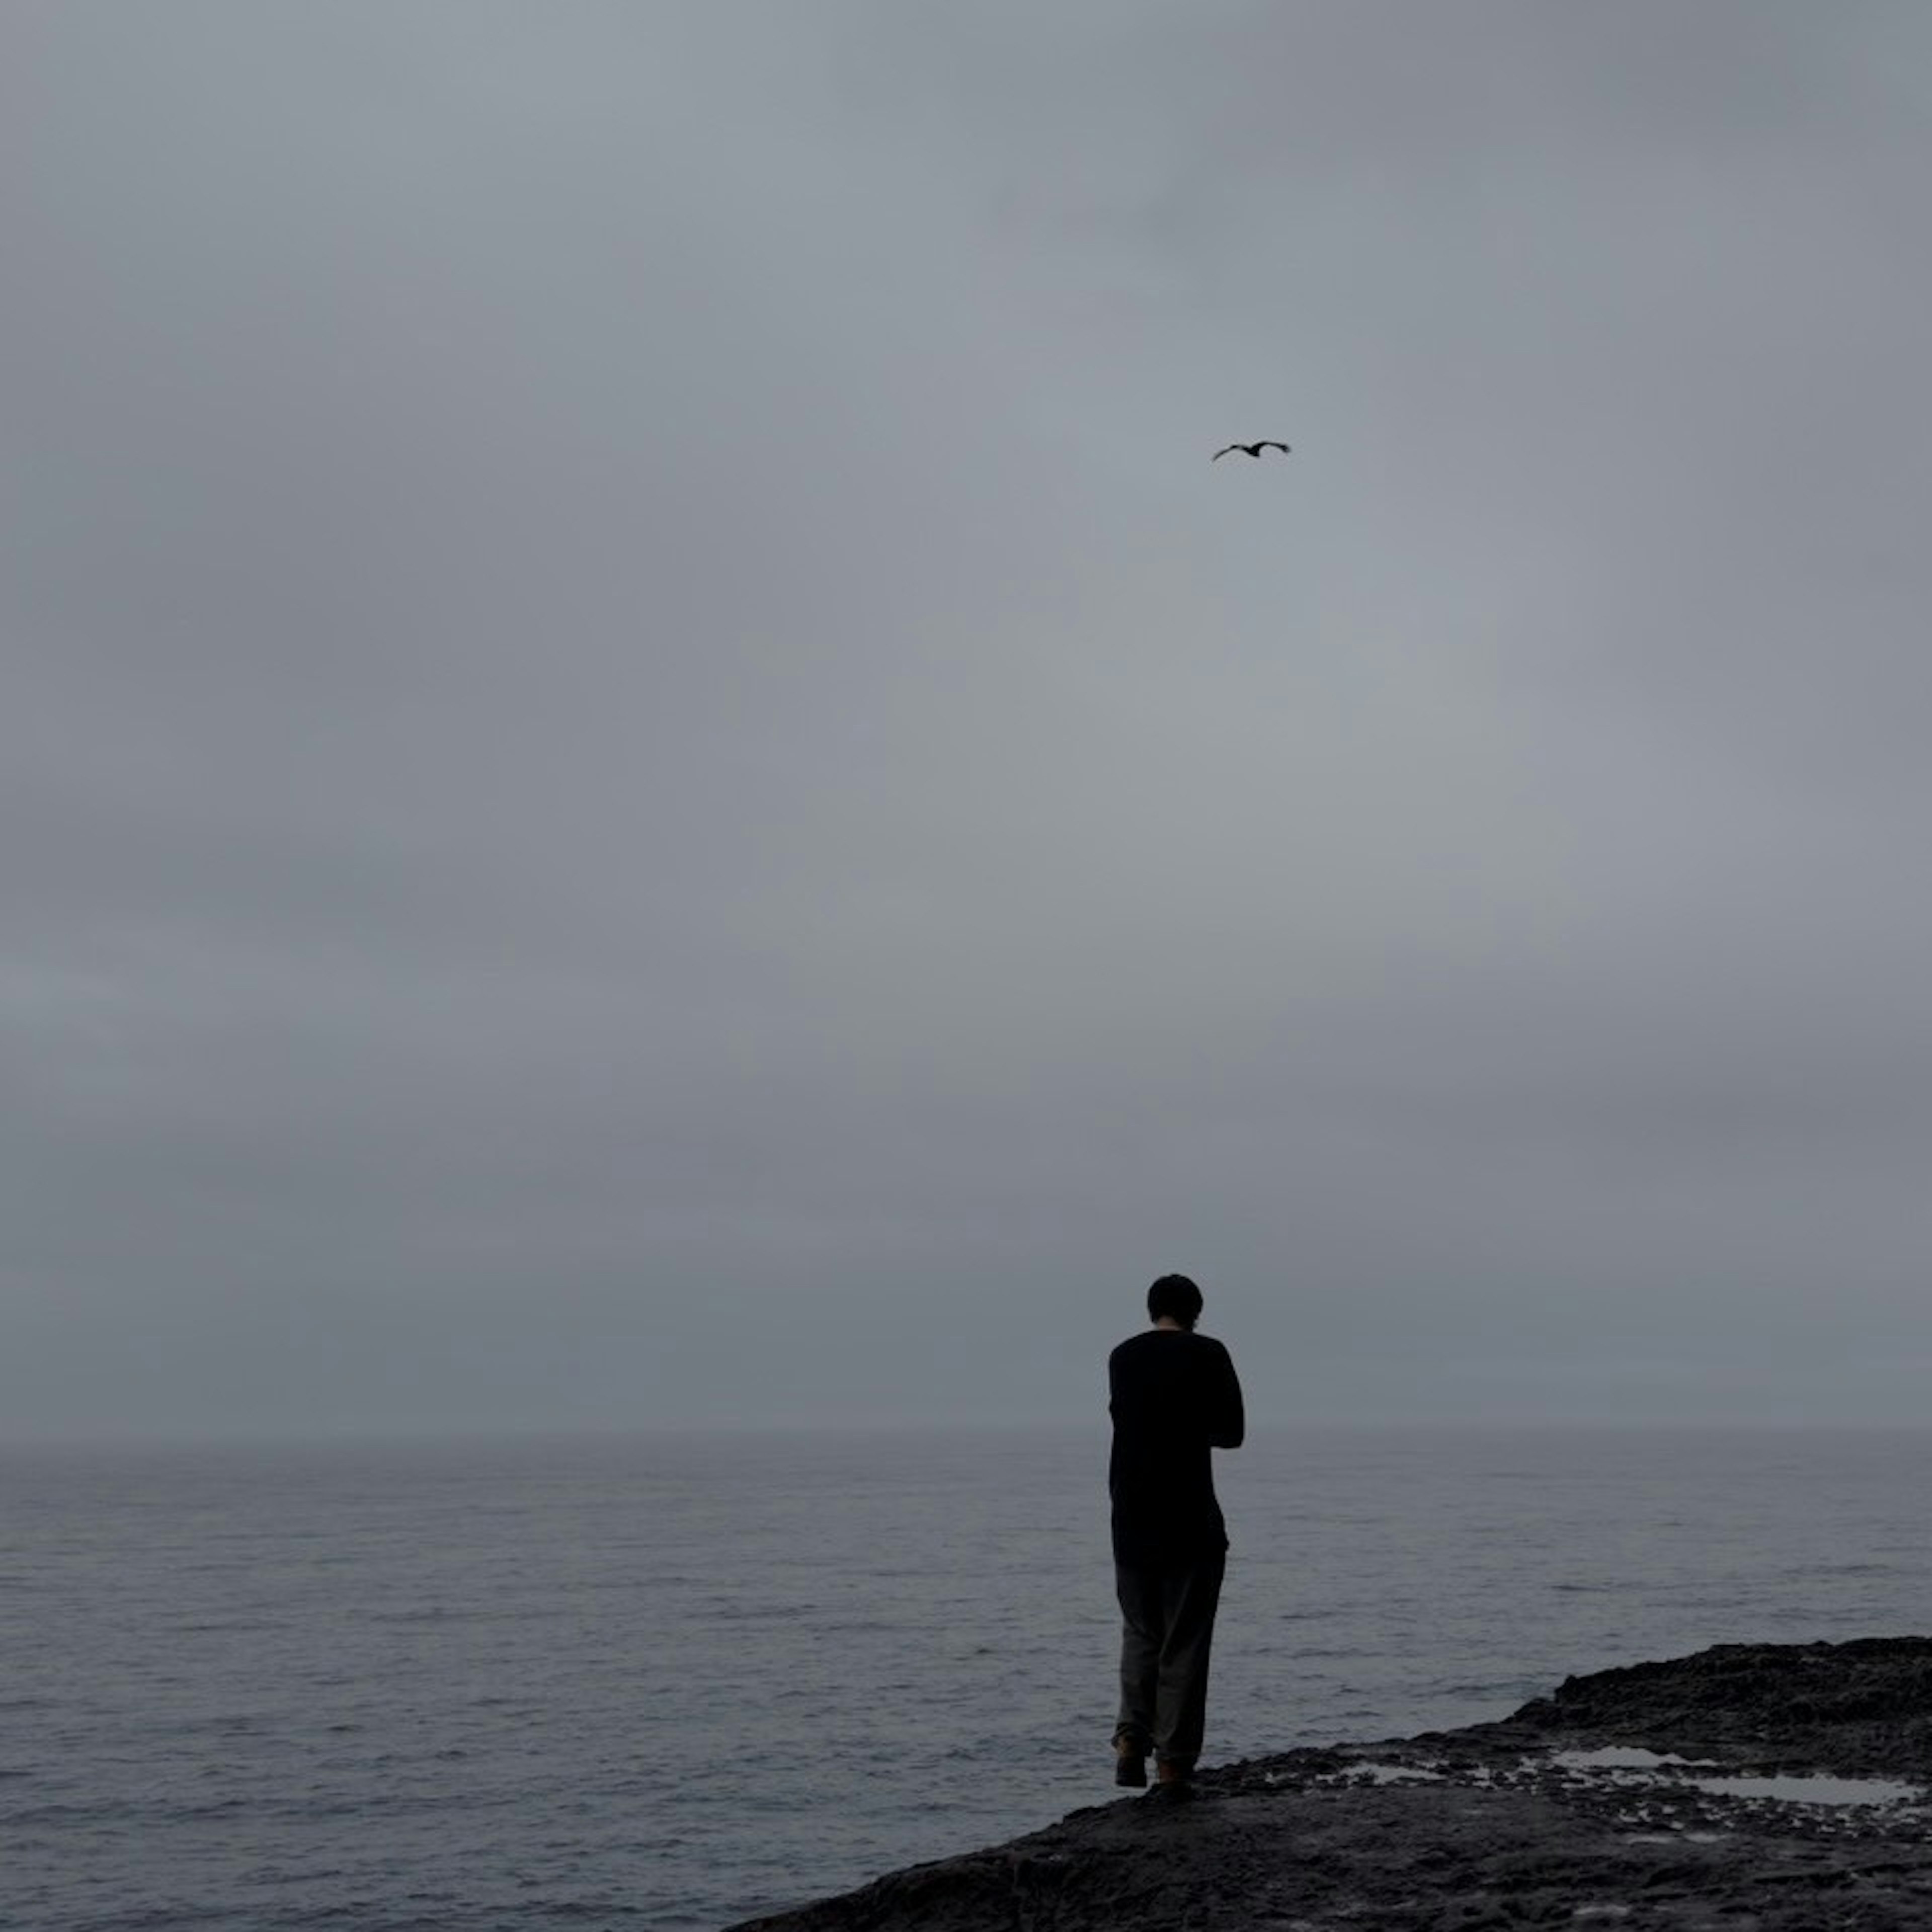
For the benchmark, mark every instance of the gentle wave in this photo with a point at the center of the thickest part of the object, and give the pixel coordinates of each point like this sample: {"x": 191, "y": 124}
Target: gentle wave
{"x": 680, "y": 1683}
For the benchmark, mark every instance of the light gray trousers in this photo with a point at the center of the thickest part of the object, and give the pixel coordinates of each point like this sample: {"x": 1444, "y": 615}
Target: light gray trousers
{"x": 1167, "y": 1629}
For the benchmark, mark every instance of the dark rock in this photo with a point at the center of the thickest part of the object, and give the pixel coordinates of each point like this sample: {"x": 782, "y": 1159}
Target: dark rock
{"x": 1500, "y": 1825}
{"x": 1864, "y": 1707}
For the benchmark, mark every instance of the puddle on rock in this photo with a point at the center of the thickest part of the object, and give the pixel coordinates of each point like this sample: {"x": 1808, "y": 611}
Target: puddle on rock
{"x": 1811, "y": 1790}
{"x": 1394, "y": 1773}
{"x": 1622, "y": 1757}
{"x": 1629, "y": 1765}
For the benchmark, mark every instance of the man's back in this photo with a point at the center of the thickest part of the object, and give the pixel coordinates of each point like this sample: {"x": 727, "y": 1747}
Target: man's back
{"x": 1174, "y": 1397}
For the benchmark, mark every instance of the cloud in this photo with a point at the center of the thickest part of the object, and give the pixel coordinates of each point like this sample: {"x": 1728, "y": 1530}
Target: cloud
{"x": 646, "y": 776}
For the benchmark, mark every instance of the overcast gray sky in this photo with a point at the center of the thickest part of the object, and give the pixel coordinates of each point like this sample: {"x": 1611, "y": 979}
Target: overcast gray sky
{"x": 646, "y": 779}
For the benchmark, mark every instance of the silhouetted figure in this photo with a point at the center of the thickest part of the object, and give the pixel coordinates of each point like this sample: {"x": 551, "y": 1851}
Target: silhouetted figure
{"x": 1174, "y": 1397}
{"x": 1253, "y": 449}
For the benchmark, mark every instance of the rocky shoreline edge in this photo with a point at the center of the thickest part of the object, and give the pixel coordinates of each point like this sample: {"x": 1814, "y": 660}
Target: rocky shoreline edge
{"x": 1750, "y": 1787}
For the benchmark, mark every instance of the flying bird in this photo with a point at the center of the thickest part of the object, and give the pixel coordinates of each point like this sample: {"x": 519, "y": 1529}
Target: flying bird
{"x": 1253, "y": 449}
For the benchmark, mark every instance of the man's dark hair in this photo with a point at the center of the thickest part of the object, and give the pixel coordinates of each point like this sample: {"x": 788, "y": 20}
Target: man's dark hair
{"x": 1177, "y": 1298}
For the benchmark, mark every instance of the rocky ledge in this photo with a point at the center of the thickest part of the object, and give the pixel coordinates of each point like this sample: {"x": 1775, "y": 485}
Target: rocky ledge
{"x": 1752, "y": 1787}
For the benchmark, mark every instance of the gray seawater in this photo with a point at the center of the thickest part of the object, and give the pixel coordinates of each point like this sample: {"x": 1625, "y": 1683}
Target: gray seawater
{"x": 673, "y": 1681}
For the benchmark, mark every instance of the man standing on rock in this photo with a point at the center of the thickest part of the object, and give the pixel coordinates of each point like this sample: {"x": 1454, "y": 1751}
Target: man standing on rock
{"x": 1174, "y": 1397}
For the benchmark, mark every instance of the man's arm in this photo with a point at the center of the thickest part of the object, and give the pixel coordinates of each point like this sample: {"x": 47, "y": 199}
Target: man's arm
{"x": 1228, "y": 1422}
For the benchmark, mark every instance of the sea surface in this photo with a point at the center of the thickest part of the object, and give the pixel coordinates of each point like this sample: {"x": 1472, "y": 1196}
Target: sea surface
{"x": 671, "y": 1681}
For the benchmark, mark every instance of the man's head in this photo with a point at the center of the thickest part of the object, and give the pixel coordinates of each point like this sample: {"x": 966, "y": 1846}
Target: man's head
{"x": 1174, "y": 1298}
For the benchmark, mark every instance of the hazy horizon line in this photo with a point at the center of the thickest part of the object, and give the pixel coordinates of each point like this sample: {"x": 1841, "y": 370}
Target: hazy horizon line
{"x": 923, "y": 1429}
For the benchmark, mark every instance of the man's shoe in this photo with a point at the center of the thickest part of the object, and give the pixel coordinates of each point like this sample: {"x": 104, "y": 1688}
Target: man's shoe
{"x": 1176, "y": 1780}
{"x": 1129, "y": 1763}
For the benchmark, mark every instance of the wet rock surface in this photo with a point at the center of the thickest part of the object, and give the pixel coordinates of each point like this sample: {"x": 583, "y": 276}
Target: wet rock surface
{"x": 1751, "y": 1787}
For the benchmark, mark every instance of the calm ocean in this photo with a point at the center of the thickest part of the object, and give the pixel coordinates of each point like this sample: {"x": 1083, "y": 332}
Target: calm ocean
{"x": 673, "y": 1681}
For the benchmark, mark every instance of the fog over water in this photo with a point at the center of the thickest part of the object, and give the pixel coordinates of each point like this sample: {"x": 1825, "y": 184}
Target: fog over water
{"x": 645, "y": 778}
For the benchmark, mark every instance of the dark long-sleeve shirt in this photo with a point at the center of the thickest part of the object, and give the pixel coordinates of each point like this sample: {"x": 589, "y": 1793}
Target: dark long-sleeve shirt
{"x": 1174, "y": 1397}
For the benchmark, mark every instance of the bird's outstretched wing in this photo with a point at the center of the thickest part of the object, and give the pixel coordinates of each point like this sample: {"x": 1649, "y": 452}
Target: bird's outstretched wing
{"x": 1219, "y": 453}
{"x": 1281, "y": 446}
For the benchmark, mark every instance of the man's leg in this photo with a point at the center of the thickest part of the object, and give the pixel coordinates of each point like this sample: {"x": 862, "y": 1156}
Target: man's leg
{"x": 1190, "y": 1597}
{"x": 1142, "y": 1628}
